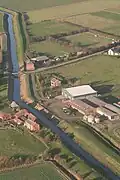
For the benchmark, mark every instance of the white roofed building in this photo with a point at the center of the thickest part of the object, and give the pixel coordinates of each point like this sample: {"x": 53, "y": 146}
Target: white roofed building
{"x": 78, "y": 92}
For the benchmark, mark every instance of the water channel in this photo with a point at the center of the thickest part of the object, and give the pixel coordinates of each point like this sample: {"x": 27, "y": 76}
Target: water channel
{"x": 14, "y": 94}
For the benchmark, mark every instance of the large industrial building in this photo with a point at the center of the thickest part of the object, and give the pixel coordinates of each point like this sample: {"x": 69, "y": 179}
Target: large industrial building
{"x": 78, "y": 92}
{"x": 85, "y": 100}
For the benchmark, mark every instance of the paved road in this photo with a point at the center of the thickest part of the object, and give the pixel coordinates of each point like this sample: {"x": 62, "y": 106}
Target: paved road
{"x": 42, "y": 119}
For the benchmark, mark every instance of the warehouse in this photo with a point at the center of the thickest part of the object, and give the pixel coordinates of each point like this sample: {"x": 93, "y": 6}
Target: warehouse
{"x": 78, "y": 92}
{"x": 96, "y": 101}
{"x": 82, "y": 107}
{"x": 109, "y": 114}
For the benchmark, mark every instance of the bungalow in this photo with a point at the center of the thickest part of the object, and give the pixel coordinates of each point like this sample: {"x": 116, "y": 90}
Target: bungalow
{"x": 31, "y": 125}
{"x": 114, "y": 51}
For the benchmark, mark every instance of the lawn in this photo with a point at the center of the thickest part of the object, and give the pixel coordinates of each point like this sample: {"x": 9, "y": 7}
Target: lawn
{"x": 1, "y": 22}
{"x": 51, "y": 48}
{"x": 13, "y": 142}
{"x": 102, "y": 71}
{"x": 44, "y": 171}
{"x": 107, "y": 15}
{"x": 51, "y": 27}
{"x": 88, "y": 39}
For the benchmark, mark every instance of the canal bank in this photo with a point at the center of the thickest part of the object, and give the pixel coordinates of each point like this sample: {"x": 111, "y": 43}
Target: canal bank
{"x": 42, "y": 119}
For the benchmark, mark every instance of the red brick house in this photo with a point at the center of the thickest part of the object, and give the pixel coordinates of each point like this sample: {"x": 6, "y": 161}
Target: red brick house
{"x": 31, "y": 117}
{"x": 30, "y": 66}
{"x": 32, "y": 126}
{"x": 55, "y": 82}
{"x": 17, "y": 121}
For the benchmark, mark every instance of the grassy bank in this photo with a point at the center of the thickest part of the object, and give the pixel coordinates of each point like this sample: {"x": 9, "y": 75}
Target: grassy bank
{"x": 20, "y": 34}
{"x": 96, "y": 147}
{"x": 1, "y": 22}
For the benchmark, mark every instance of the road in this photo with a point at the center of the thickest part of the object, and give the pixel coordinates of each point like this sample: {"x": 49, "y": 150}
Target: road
{"x": 14, "y": 84}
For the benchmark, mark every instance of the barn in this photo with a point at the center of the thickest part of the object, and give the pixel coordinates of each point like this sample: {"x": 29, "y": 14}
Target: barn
{"x": 78, "y": 92}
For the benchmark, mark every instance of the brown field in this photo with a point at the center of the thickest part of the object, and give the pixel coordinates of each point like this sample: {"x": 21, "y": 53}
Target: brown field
{"x": 88, "y": 20}
{"x": 71, "y": 9}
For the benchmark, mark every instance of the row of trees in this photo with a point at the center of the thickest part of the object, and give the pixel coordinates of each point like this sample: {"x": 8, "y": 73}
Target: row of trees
{"x": 16, "y": 160}
{"x": 57, "y": 36}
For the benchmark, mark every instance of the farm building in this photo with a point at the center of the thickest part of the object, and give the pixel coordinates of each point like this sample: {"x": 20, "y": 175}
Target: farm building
{"x": 112, "y": 108}
{"x": 81, "y": 106}
{"x": 78, "y": 92}
{"x": 109, "y": 114}
{"x": 114, "y": 51}
{"x": 13, "y": 104}
{"x": 42, "y": 59}
{"x": 30, "y": 66}
{"x": 96, "y": 101}
{"x": 31, "y": 125}
{"x": 55, "y": 82}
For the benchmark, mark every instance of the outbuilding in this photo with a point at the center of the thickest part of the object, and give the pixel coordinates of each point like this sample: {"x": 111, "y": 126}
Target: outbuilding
{"x": 109, "y": 114}
{"x": 114, "y": 51}
{"x": 79, "y": 92}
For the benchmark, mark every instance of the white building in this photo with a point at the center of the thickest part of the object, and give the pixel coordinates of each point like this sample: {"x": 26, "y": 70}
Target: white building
{"x": 109, "y": 114}
{"x": 78, "y": 92}
{"x": 114, "y": 52}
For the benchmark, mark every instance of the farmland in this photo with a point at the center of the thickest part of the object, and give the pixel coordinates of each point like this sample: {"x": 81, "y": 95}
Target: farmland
{"x": 43, "y": 171}
{"x": 13, "y": 142}
{"x": 91, "y": 21}
{"x": 88, "y": 39}
{"x": 71, "y": 9}
{"x": 1, "y": 22}
{"x": 102, "y": 70}
{"x": 107, "y": 15}
{"x": 51, "y": 27}
{"x": 36, "y": 4}
{"x": 51, "y": 48}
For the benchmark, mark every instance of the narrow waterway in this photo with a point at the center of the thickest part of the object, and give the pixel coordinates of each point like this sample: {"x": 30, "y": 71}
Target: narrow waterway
{"x": 14, "y": 84}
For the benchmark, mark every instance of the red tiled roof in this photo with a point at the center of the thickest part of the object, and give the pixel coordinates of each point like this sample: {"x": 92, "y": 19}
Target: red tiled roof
{"x": 32, "y": 117}
{"x": 30, "y": 66}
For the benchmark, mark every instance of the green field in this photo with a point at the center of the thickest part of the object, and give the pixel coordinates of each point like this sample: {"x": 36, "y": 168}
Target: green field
{"x": 113, "y": 29}
{"x": 1, "y": 22}
{"x": 107, "y": 15}
{"x": 88, "y": 39}
{"x": 38, "y": 172}
{"x": 13, "y": 142}
{"x": 51, "y": 48}
{"x": 103, "y": 71}
{"x": 36, "y": 4}
{"x": 51, "y": 27}
{"x": 4, "y": 95}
